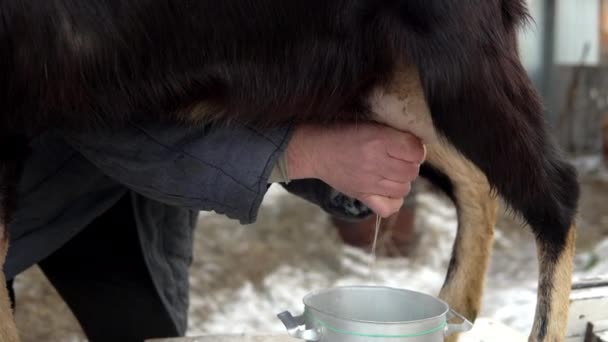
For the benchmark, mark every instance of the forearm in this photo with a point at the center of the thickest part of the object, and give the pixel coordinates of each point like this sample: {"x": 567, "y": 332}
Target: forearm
{"x": 222, "y": 169}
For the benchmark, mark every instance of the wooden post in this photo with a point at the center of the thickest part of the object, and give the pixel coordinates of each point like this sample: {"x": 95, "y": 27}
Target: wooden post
{"x": 605, "y": 139}
{"x": 588, "y": 316}
{"x": 597, "y": 332}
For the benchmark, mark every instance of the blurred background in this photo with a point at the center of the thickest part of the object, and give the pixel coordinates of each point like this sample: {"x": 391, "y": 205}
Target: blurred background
{"x": 242, "y": 276}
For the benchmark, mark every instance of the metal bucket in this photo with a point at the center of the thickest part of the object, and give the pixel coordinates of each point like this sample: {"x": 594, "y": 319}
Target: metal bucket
{"x": 372, "y": 313}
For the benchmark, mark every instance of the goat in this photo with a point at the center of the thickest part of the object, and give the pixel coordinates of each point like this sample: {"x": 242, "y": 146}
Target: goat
{"x": 452, "y": 64}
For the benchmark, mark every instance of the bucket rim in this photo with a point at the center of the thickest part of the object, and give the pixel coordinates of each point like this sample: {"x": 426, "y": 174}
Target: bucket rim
{"x": 322, "y": 291}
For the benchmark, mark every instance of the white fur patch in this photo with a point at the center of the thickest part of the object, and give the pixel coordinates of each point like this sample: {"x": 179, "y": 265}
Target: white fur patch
{"x": 401, "y": 104}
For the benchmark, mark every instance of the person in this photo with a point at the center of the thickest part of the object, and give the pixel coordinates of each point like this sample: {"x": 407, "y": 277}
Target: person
{"x": 109, "y": 215}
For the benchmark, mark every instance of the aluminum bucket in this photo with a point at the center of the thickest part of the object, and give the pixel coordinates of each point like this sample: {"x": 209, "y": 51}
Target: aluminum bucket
{"x": 372, "y": 313}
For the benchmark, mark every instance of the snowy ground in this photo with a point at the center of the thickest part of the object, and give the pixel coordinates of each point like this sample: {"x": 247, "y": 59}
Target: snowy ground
{"x": 243, "y": 276}
{"x": 310, "y": 257}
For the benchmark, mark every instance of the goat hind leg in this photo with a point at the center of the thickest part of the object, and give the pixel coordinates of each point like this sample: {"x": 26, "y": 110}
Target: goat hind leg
{"x": 551, "y": 218}
{"x": 401, "y": 104}
{"x": 511, "y": 147}
{"x": 504, "y": 133}
{"x": 477, "y": 208}
{"x": 555, "y": 263}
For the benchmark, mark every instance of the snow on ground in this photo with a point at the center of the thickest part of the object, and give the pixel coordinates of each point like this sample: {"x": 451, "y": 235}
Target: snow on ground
{"x": 242, "y": 276}
{"x": 252, "y": 307}
{"x": 305, "y": 255}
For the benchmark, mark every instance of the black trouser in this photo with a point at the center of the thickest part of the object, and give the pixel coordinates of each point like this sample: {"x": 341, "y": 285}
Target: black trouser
{"x": 102, "y": 276}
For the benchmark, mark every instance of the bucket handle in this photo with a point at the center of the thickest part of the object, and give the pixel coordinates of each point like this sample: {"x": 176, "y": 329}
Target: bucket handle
{"x": 451, "y": 329}
{"x": 293, "y": 324}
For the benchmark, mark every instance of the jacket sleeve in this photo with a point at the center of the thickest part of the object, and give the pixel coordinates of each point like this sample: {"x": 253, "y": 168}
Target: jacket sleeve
{"x": 221, "y": 169}
{"x": 213, "y": 168}
{"x": 330, "y": 200}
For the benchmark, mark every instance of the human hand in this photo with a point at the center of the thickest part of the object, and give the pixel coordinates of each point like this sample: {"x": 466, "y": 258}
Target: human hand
{"x": 372, "y": 163}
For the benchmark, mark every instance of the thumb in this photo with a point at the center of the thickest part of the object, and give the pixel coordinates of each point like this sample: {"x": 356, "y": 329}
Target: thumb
{"x": 383, "y": 206}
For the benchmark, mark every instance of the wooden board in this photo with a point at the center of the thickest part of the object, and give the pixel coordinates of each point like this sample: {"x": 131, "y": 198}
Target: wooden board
{"x": 232, "y": 338}
{"x": 488, "y": 330}
{"x": 597, "y": 331}
{"x": 588, "y": 303}
{"x": 485, "y": 330}
{"x": 602, "y": 337}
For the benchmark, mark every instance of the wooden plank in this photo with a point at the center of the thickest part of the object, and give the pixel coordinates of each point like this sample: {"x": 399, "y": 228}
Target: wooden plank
{"x": 602, "y": 337}
{"x": 586, "y": 283}
{"x": 231, "y": 338}
{"x": 599, "y": 326}
{"x": 485, "y": 330}
{"x": 488, "y": 330}
{"x": 597, "y": 331}
{"x": 588, "y": 303}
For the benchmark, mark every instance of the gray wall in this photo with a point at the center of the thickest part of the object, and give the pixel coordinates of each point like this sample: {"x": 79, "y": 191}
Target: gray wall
{"x": 552, "y": 50}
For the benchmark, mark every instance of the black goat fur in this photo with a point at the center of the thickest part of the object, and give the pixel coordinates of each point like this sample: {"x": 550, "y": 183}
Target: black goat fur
{"x": 88, "y": 64}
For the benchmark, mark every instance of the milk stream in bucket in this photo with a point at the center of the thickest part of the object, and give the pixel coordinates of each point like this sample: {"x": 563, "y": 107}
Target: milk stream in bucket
{"x": 372, "y": 313}
{"x": 372, "y": 260}
{"x": 344, "y": 314}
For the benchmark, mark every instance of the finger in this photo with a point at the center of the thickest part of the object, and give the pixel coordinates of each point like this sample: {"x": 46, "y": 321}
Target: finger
{"x": 426, "y": 153}
{"x": 398, "y": 170}
{"x": 407, "y": 147}
{"x": 388, "y": 188}
{"x": 383, "y": 206}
